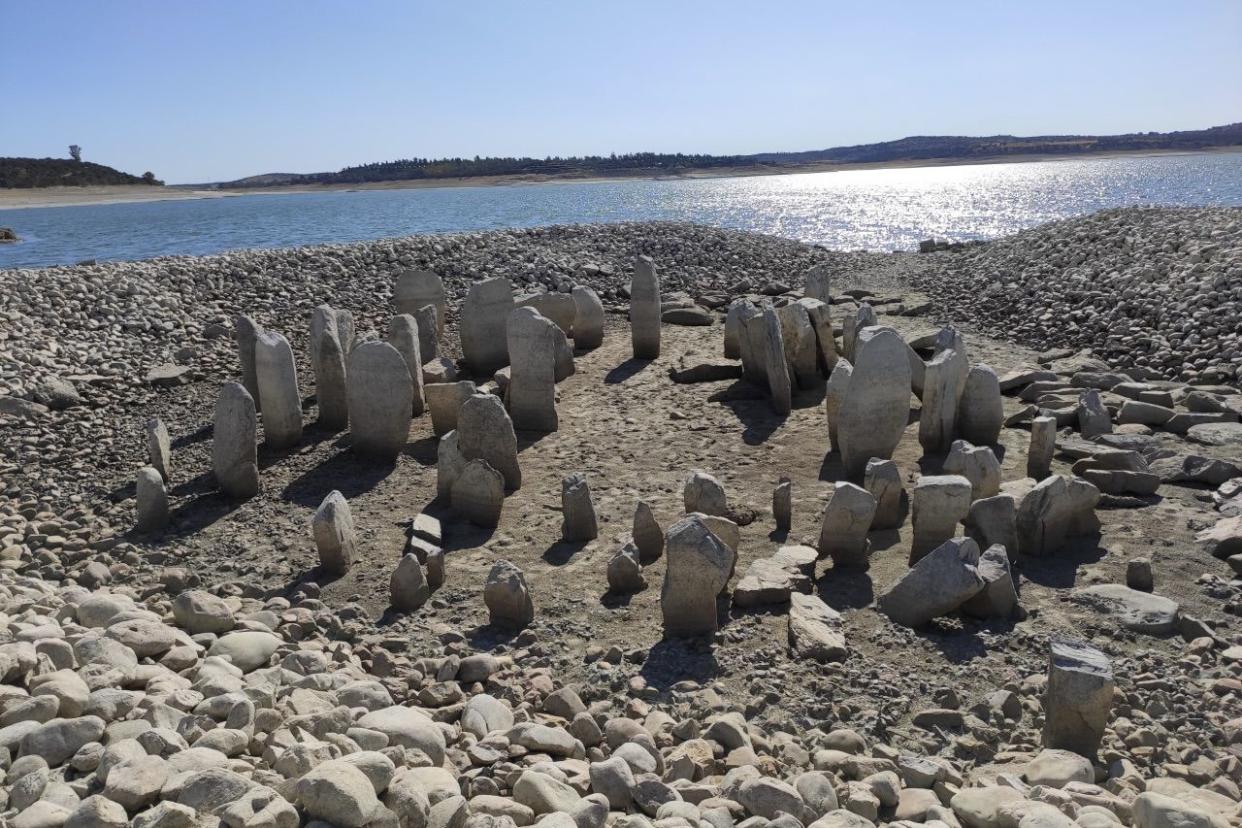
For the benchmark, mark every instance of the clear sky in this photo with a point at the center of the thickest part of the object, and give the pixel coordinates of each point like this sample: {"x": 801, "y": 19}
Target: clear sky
{"x": 204, "y": 91}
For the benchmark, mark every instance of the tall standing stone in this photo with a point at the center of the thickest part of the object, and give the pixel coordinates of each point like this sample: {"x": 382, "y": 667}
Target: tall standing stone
{"x": 978, "y": 465}
{"x": 234, "y": 456}
{"x": 782, "y": 504}
{"x": 819, "y": 284}
{"x": 648, "y": 536}
{"x": 532, "y": 374}
{"x": 752, "y": 333}
{"x": 408, "y": 588}
{"x": 825, "y": 338}
{"x": 780, "y": 389}
{"x": 883, "y": 480}
{"x": 381, "y": 397}
{"x": 159, "y": 448}
{"x": 563, "y": 364}
{"x": 278, "y": 390}
{"x": 323, "y": 318}
{"x": 939, "y": 503}
{"x": 345, "y": 330}
{"x": 1093, "y": 417}
{"x": 733, "y": 329}
{"x": 484, "y": 326}
{"x": 645, "y": 309}
{"x": 876, "y": 408}
{"x": 578, "y": 521}
{"x": 330, "y": 382}
{"x": 1043, "y": 444}
{"x": 485, "y": 432}
{"x": 589, "y": 318}
{"x": 938, "y": 420}
{"x": 704, "y": 493}
{"x": 799, "y": 341}
{"x": 445, "y": 400}
{"x": 864, "y": 317}
{"x": 847, "y": 520}
{"x": 981, "y": 412}
{"x": 429, "y": 324}
{"x": 449, "y": 464}
{"x": 333, "y": 529}
{"x": 416, "y": 289}
{"x": 246, "y": 332}
{"x": 834, "y": 397}
{"x": 152, "y": 501}
{"x": 699, "y": 564}
{"x": 1078, "y": 698}
{"x": 405, "y": 336}
{"x": 478, "y": 494}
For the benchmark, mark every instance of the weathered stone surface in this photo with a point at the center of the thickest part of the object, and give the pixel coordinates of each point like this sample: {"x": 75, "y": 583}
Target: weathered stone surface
{"x": 704, "y": 493}
{"x": 780, "y": 388}
{"x": 1216, "y": 434}
{"x": 558, "y": 307}
{"x": 733, "y": 329}
{"x": 449, "y": 463}
{"x": 507, "y": 597}
{"x": 589, "y": 318}
{"x": 405, "y": 336}
{"x": 381, "y": 398}
{"x": 280, "y": 400}
{"x": 1155, "y": 810}
{"x": 999, "y": 596}
{"x": 699, "y": 564}
{"x": 1093, "y": 417}
{"x": 338, "y": 793}
{"x": 940, "y": 582}
{"x": 331, "y": 387}
{"x": 1224, "y": 539}
{"x": 478, "y": 493}
{"x": 846, "y": 522}
{"x": 1055, "y": 509}
{"x": 625, "y": 571}
{"x": 1137, "y": 611}
{"x": 782, "y": 504}
{"x": 201, "y": 612}
{"x": 151, "y": 501}
{"x": 407, "y": 587}
{"x": 578, "y": 521}
{"x": 333, "y": 529}
{"x": 815, "y": 629}
{"x": 645, "y": 309}
{"x": 818, "y": 284}
{"x": 799, "y": 343}
{"x": 943, "y": 378}
{"x": 532, "y": 379}
{"x": 852, "y": 326}
{"x": 563, "y": 363}
{"x": 751, "y": 334}
{"x": 980, "y": 412}
{"x": 993, "y": 521}
{"x": 430, "y": 328}
{"x": 1078, "y": 698}
{"x": 648, "y": 536}
{"x": 821, "y": 321}
{"x": 485, "y": 432}
{"x": 876, "y": 407}
{"x": 484, "y": 325}
{"x": 246, "y": 333}
{"x": 938, "y": 503}
{"x": 834, "y": 396}
{"x": 768, "y": 581}
{"x": 978, "y": 465}
{"x": 1043, "y": 445}
{"x": 445, "y": 401}
{"x": 416, "y": 289}
{"x": 883, "y": 480}
{"x": 159, "y": 448}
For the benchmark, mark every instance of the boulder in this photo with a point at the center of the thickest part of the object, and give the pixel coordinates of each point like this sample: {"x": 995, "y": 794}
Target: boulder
{"x": 507, "y": 597}
{"x": 1055, "y": 509}
{"x": 999, "y": 596}
{"x": 978, "y": 465}
{"x": 883, "y": 480}
{"x": 333, "y": 529}
{"x": 408, "y": 588}
{"x": 588, "y": 318}
{"x": 993, "y": 521}
{"x": 417, "y": 289}
{"x": 625, "y": 571}
{"x": 648, "y": 536}
{"x": 704, "y": 493}
{"x": 151, "y": 501}
{"x": 815, "y": 629}
{"x": 445, "y": 401}
{"x": 1137, "y": 611}
{"x": 578, "y": 521}
{"x": 936, "y": 585}
{"x": 478, "y": 493}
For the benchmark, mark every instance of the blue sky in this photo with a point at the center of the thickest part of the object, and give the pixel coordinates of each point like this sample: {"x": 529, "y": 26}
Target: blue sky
{"x": 205, "y": 91}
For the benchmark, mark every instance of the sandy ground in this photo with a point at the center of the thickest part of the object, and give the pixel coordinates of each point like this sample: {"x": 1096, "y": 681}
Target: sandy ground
{"x": 12, "y": 199}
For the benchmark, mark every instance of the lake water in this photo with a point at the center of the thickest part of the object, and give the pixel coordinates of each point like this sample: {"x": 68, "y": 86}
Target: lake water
{"x": 888, "y": 209}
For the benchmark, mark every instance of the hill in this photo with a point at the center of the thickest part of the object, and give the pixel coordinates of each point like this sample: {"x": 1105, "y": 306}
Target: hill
{"x": 27, "y": 173}
{"x": 915, "y": 148}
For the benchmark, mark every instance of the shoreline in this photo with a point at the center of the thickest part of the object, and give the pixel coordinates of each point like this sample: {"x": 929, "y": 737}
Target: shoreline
{"x": 24, "y": 199}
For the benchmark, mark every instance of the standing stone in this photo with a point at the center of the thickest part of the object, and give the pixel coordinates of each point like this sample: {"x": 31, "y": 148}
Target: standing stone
{"x": 883, "y": 480}
{"x": 234, "y": 456}
{"x": 159, "y": 448}
{"x": 834, "y": 397}
{"x": 405, "y": 336}
{"x": 577, "y": 510}
{"x": 345, "y": 330}
{"x": 938, "y": 504}
{"x": 993, "y": 521}
{"x": 1056, "y": 508}
{"x": 278, "y": 390}
{"x": 408, "y": 588}
{"x": 333, "y": 529}
{"x": 1078, "y": 698}
{"x": 847, "y": 520}
{"x": 782, "y": 504}
{"x": 704, "y": 493}
{"x": 825, "y": 341}
{"x": 978, "y": 465}
{"x": 381, "y": 397}
{"x": 625, "y": 571}
{"x": 981, "y": 412}
{"x": 801, "y": 347}
{"x": 780, "y": 390}
{"x": 430, "y": 326}
{"x": 733, "y": 329}
{"x": 449, "y": 464}
{"x": 485, "y": 432}
{"x": 507, "y": 597}
{"x": 1043, "y": 444}
{"x": 876, "y": 408}
{"x": 645, "y": 309}
{"x": 999, "y": 596}
{"x": 564, "y": 361}
{"x": 532, "y": 378}
{"x": 938, "y": 420}
{"x": 445, "y": 401}
{"x": 864, "y": 317}
{"x": 322, "y": 319}
{"x": 331, "y": 387}
{"x": 484, "y": 326}
{"x": 152, "y": 501}
{"x": 819, "y": 284}
{"x": 751, "y": 334}
{"x": 558, "y": 307}
{"x": 589, "y": 318}
{"x": 699, "y": 564}
{"x": 648, "y": 536}
{"x": 416, "y": 289}
{"x": 940, "y": 582}
{"x": 478, "y": 494}
{"x": 1093, "y": 417}
{"x": 246, "y": 331}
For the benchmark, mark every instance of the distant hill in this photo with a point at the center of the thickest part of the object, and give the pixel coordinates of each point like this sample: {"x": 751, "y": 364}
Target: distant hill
{"x": 26, "y": 173}
{"x": 916, "y": 148}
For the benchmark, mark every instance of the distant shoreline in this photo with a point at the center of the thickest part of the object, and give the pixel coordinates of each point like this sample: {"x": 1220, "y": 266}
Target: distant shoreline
{"x": 17, "y": 199}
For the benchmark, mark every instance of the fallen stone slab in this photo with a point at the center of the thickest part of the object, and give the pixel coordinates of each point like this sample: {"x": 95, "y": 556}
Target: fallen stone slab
{"x": 939, "y": 583}
{"x": 815, "y": 629}
{"x": 768, "y": 581}
{"x": 705, "y": 372}
{"x": 1136, "y": 611}
{"x": 1194, "y": 468}
{"x": 1216, "y": 434}
{"x": 690, "y": 317}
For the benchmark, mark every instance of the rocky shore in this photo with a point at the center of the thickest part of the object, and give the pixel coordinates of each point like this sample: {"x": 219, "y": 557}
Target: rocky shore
{"x": 212, "y": 670}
